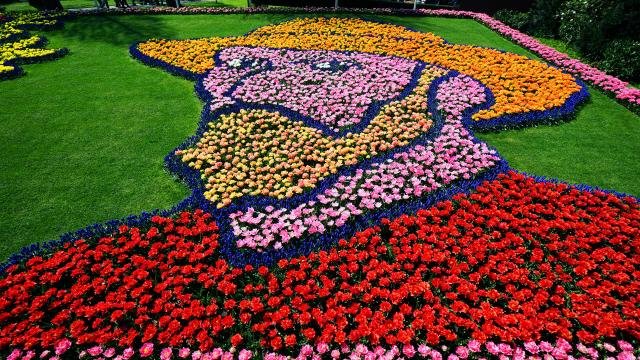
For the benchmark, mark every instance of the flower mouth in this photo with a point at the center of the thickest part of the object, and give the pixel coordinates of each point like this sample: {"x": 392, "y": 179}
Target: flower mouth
{"x": 289, "y": 151}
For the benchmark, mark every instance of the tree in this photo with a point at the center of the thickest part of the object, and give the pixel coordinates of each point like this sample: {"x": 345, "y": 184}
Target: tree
{"x": 46, "y": 5}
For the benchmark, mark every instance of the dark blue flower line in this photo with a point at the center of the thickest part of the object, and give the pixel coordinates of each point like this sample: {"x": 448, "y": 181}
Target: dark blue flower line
{"x": 153, "y": 62}
{"x": 532, "y": 118}
{"x": 12, "y": 74}
{"x": 196, "y": 199}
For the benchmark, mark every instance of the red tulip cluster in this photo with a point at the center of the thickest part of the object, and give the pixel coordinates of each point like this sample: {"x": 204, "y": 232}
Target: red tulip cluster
{"x": 516, "y": 260}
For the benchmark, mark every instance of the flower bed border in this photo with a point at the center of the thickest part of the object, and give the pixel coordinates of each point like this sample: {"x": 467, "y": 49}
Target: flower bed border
{"x": 474, "y": 348}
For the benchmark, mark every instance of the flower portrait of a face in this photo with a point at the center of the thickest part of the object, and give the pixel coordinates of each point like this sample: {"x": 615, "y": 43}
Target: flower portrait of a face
{"x": 315, "y": 128}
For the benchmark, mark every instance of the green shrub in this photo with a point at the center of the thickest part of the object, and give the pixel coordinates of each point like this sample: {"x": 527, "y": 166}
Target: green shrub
{"x": 46, "y": 5}
{"x": 589, "y": 25}
{"x": 622, "y": 58}
{"x": 544, "y": 17}
{"x": 516, "y": 19}
{"x": 579, "y": 26}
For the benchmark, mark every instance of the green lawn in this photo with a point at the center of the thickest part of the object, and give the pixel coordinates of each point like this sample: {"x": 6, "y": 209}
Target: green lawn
{"x": 216, "y": 3}
{"x": 83, "y": 137}
{"x": 23, "y": 5}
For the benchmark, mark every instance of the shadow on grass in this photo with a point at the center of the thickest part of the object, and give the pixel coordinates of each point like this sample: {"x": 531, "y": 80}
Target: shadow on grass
{"x": 117, "y": 30}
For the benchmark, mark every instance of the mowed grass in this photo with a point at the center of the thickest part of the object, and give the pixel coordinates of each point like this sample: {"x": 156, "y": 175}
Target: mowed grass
{"x": 216, "y": 3}
{"x": 83, "y": 138}
{"x": 23, "y": 5}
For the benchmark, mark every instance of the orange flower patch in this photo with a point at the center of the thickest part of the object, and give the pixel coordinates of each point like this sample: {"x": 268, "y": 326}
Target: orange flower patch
{"x": 519, "y": 84}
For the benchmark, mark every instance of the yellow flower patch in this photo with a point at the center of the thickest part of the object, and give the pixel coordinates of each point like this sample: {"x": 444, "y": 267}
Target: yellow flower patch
{"x": 25, "y": 49}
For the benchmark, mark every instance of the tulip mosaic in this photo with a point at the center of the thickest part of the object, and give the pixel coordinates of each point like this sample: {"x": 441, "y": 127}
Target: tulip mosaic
{"x": 293, "y": 155}
{"x": 342, "y": 208}
{"x": 407, "y": 175}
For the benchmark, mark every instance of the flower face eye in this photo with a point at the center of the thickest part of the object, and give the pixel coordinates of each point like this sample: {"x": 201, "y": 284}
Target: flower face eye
{"x": 235, "y": 63}
{"x": 334, "y": 66}
{"x": 245, "y": 63}
{"x": 323, "y": 65}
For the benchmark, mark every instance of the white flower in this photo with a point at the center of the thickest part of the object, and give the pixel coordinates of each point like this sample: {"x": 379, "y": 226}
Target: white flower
{"x": 235, "y": 63}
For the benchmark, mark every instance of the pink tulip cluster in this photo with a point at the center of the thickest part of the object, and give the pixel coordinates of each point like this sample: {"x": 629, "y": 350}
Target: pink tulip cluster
{"x": 473, "y": 349}
{"x": 147, "y": 350}
{"x": 421, "y": 170}
{"x": 334, "y": 88}
{"x": 457, "y": 94}
{"x": 619, "y": 88}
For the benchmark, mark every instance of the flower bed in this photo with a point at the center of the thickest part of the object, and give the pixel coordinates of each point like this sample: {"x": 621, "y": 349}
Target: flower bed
{"x": 342, "y": 207}
{"x": 518, "y": 260}
{"x": 519, "y": 85}
{"x": 621, "y": 90}
{"x": 284, "y": 183}
{"x": 18, "y": 47}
